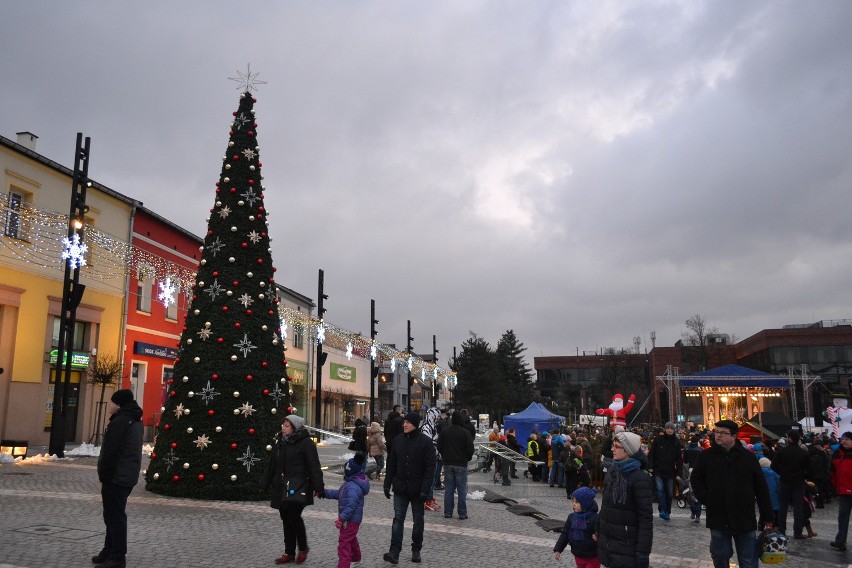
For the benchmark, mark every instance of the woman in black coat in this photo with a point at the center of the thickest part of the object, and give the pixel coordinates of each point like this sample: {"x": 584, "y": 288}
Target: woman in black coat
{"x": 294, "y": 467}
{"x": 625, "y": 523}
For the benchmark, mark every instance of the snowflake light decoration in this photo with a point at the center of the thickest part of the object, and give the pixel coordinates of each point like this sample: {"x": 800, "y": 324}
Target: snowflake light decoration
{"x": 373, "y": 352}
{"x": 320, "y": 333}
{"x": 248, "y": 459}
{"x": 74, "y": 251}
{"x": 410, "y": 363}
{"x": 208, "y": 393}
{"x": 393, "y": 364}
{"x": 283, "y": 329}
{"x": 349, "y": 350}
{"x": 167, "y": 292}
{"x": 250, "y": 197}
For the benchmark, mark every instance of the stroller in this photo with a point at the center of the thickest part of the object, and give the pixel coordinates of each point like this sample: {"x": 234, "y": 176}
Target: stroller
{"x": 686, "y": 496}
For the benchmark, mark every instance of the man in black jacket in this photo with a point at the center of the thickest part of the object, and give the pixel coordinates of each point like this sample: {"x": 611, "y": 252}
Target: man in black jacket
{"x": 118, "y": 471}
{"x": 665, "y": 461}
{"x": 791, "y": 463}
{"x": 393, "y": 425}
{"x": 410, "y": 472}
{"x": 455, "y": 445}
{"x": 727, "y": 479}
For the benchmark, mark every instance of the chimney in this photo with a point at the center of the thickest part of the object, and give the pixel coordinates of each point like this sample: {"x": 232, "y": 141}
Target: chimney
{"x": 27, "y": 140}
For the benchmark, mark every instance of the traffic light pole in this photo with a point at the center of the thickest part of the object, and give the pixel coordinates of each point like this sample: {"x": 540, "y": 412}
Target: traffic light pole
{"x": 72, "y": 294}
{"x": 321, "y": 297}
{"x": 374, "y": 368}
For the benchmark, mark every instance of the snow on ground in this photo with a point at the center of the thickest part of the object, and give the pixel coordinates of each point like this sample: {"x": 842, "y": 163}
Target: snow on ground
{"x": 6, "y": 458}
{"x": 85, "y": 450}
{"x": 476, "y": 496}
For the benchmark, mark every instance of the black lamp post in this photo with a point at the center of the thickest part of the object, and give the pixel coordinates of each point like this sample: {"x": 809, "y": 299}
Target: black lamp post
{"x": 72, "y": 294}
{"x": 374, "y": 368}
{"x": 408, "y": 364}
{"x": 321, "y": 357}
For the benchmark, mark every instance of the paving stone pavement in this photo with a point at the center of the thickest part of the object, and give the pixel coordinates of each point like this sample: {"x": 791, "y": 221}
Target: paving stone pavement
{"x": 51, "y": 516}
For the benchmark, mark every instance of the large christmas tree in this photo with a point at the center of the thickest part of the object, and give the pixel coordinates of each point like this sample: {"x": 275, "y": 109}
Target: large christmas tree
{"x": 230, "y": 387}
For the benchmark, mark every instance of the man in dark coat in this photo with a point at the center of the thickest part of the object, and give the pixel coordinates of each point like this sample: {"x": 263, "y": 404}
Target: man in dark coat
{"x": 791, "y": 463}
{"x": 359, "y": 438}
{"x": 410, "y": 473}
{"x": 118, "y": 472}
{"x": 665, "y": 461}
{"x": 728, "y": 479}
{"x": 393, "y": 425}
{"x": 455, "y": 445}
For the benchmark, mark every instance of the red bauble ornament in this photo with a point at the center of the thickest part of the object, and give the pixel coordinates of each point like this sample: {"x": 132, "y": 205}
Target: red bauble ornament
{"x": 248, "y": 312}
{"x": 217, "y": 190}
{"x": 236, "y": 157}
{"x": 176, "y": 478}
{"x": 234, "y": 446}
{"x": 274, "y": 269}
{"x": 215, "y": 274}
{"x": 259, "y": 165}
{"x": 249, "y": 377}
{"x": 260, "y": 207}
{"x": 234, "y": 113}
{"x": 251, "y": 182}
{"x": 270, "y": 312}
{"x": 259, "y": 216}
{"x": 173, "y": 445}
{"x": 235, "y": 283}
{"x": 244, "y": 245}
{"x": 173, "y": 394}
{"x": 210, "y": 232}
{"x": 167, "y": 427}
{"x": 263, "y": 234}
{"x": 251, "y": 431}
{"x": 260, "y": 261}
{"x": 264, "y": 364}
{"x": 210, "y": 412}
{"x": 220, "y": 340}
{"x": 237, "y": 325}
{"x": 153, "y": 456}
{"x": 215, "y": 376}
{"x": 200, "y": 477}
{"x": 290, "y": 409}
{"x": 233, "y": 190}
{"x": 170, "y": 381}
{"x": 265, "y": 392}
{"x": 224, "y": 308}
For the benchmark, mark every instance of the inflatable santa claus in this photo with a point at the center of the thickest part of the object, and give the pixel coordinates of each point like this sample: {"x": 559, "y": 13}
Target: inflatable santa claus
{"x": 617, "y": 411}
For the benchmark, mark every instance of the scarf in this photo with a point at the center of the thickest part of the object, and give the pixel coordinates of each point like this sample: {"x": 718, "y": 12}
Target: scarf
{"x": 579, "y": 525}
{"x": 617, "y": 478}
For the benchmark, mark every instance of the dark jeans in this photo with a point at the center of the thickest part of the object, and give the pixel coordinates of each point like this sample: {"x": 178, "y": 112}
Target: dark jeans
{"x": 722, "y": 551}
{"x": 438, "y": 466}
{"x": 400, "y": 508}
{"x": 380, "y": 464}
{"x": 114, "y": 499}
{"x": 795, "y": 496}
{"x": 845, "y": 507}
{"x": 665, "y": 492}
{"x": 455, "y": 478}
{"x": 294, "y": 529}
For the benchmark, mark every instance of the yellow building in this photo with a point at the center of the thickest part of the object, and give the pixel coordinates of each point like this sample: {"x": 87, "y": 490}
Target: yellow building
{"x": 35, "y": 201}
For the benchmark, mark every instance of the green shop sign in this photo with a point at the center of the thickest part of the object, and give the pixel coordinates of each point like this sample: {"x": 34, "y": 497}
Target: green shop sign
{"x": 78, "y": 359}
{"x": 342, "y": 372}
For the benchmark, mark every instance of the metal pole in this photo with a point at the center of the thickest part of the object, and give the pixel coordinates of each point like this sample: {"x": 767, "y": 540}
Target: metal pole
{"x": 434, "y": 360}
{"x": 321, "y": 297}
{"x": 72, "y": 294}
{"x": 374, "y": 369}
{"x": 408, "y": 366}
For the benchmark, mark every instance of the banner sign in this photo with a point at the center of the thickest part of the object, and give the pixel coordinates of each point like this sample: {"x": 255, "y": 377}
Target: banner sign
{"x": 152, "y": 350}
{"x": 342, "y": 372}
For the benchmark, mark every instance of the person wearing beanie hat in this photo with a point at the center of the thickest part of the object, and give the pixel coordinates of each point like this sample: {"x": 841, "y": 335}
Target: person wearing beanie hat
{"x": 727, "y": 480}
{"x": 377, "y": 447}
{"x": 579, "y": 530}
{"x": 625, "y": 522}
{"x": 350, "y": 510}
{"x": 665, "y": 460}
{"x": 122, "y": 397}
{"x": 455, "y": 444}
{"x": 295, "y": 476}
{"x": 410, "y": 475}
{"x": 773, "y": 480}
{"x": 118, "y": 471}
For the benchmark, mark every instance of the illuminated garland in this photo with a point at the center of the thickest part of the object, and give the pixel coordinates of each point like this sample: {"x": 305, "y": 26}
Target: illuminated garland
{"x": 109, "y": 257}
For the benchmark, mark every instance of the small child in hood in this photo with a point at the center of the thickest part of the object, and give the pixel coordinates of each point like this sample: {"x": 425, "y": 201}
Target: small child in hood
{"x": 350, "y": 510}
{"x": 580, "y": 530}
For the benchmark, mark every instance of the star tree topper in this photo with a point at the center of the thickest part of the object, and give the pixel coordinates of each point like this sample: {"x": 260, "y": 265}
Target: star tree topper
{"x": 247, "y": 80}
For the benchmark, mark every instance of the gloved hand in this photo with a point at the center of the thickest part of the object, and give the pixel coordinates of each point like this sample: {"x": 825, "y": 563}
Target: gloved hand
{"x": 642, "y": 562}
{"x": 424, "y": 496}
{"x": 340, "y": 523}
{"x": 387, "y": 491}
{"x": 319, "y": 494}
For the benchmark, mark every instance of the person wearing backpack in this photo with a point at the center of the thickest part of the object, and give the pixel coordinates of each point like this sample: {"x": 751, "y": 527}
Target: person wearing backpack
{"x": 557, "y": 473}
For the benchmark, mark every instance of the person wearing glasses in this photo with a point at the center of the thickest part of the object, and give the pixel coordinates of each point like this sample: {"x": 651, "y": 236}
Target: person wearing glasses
{"x": 728, "y": 480}
{"x": 626, "y": 519}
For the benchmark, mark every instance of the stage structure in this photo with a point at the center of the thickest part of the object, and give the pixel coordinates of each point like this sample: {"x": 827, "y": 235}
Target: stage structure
{"x": 734, "y": 392}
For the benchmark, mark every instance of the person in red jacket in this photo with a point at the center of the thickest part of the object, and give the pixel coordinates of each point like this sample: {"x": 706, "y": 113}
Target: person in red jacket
{"x": 841, "y": 478}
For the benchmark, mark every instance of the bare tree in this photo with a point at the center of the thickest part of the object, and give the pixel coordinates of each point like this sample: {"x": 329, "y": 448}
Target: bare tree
{"x": 104, "y": 371}
{"x": 700, "y": 339}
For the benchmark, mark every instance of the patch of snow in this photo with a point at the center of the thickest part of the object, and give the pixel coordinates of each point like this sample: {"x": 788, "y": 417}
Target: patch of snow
{"x": 6, "y": 458}
{"x": 85, "y": 450}
{"x": 476, "y": 496}
{"x": 147, "y": 450}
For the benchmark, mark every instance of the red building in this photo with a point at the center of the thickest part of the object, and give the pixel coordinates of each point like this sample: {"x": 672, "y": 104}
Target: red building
{"x": 161, "y": 275}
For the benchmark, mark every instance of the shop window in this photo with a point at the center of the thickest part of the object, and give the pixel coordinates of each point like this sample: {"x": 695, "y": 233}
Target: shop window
{"x": 299, "y": 336}
{"x": 81, "y": 332}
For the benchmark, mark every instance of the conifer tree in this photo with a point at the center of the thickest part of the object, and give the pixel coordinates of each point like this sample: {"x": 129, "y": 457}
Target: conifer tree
{"x": 230, "y": 387}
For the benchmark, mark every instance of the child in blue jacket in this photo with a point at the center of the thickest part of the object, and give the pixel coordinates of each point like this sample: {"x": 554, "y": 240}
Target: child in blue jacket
{"x": 580, "y": 530}
{"x": 350, "y": 510}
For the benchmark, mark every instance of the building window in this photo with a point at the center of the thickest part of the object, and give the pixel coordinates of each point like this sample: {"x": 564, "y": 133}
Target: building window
{"x": 81, "y": 330}
{"x": 144, "y": 288}
{"x": 298, "y": 336}
{"x": 16, "y": 225}
{"x": 172, "y": 309}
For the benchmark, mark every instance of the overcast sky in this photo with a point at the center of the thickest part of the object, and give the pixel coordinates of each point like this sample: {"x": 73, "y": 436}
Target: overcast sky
{"x": 579, "y": 172}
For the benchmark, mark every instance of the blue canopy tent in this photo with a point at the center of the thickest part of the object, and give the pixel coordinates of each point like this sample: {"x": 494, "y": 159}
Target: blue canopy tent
{"x": 534, "y": 417}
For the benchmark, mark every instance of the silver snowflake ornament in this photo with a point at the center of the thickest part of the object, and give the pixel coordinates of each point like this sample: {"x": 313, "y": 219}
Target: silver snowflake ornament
{"x": 245, "y": 345}
{"x": 215, "y": 246}
{"x": 241, "y": 121}
{"x": 178, "y": 411}
{"x": 249, "y": 154}
{"x": 248, "y": 459}
{"x": 246, "y": 300}
{"x": 205, "y": 332}
{"x": 224, "y": 212}
{"x": 247, "y": 80}
{"x": 170, "y": 458}
{"x": 277, "y": 395}
{"x": 214, "y": 289}
{"x": 208, "y": 393}
{"x": 247, "y": 410}
{"x": 254, "y": 237}
{"x": 321, "y": 333}
{"x": 202, "y": 442}
{"x": 250, "y": 196}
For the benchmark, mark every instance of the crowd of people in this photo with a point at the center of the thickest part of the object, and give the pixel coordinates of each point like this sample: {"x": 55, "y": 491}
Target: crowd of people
{"x": 712, "y": 469}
